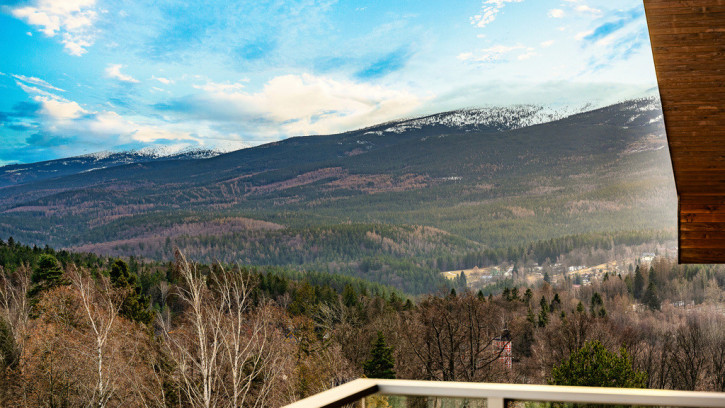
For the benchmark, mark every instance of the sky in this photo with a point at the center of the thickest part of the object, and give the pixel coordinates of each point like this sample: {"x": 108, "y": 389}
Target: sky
{"x": 82, "y": 76}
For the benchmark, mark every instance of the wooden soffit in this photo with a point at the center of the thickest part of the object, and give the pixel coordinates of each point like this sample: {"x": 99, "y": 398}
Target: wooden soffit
{"x": 688, "y": 45}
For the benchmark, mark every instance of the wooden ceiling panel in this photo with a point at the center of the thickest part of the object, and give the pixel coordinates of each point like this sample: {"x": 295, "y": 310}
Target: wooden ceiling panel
{"x": 688, "y": 45}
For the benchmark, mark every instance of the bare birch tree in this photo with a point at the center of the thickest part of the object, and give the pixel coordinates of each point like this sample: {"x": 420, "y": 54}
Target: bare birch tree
{"x": 226, "y": 353}
{"x": 101, "y": 304}
{"x": 14, "y": 303}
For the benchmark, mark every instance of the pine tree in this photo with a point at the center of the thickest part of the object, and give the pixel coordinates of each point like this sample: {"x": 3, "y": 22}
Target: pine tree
{"x": 544, "y": 312}
{"x": 595, "y": 366}
{"x": 349, "y": 297}
{"x": 381, "y": 363}
{"x": 527, "y": 296}
{"x": 514, "y": 294}
{"x": 462, "y": 282}
{"x": 638, "y": 288}
{"x": 555, "y": 302}
{"x": 135, "y": 305}
{"x": 651, "y": 298}
{"x": 595, "y": 303}
{"x": 47, "y": 275}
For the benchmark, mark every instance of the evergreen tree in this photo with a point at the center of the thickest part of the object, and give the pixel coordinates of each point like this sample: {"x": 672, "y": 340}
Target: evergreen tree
{"x": 47, "y": 275}
{"x": 595, "y": 366}
{"x": 462, "y": 282}
{"x": 547, "y": 278}
{"x": 544, "y": 312}
{"x": 638, "y": 288}
{"x": 555, "y": 302}
{"x": 514, "y": 294}
{"x": 651, "y": 298}
{"x": 527, "y": 295}
{"x": 135, "y": 305}
{"x": 506, "y": 294}
{"x": 381, "y": 363}
{"x": 349, "y": 297}
{"x": 595, "y": 303}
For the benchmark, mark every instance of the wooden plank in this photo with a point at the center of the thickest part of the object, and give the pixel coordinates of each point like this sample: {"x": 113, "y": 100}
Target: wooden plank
{"x": 684, "y": 30}
{"x": 695, "y": 235}
{"x": 700, "y": 218}
{"x": 702, "y": 255}
{"x": 702, "y": 199}
{"x": 706, "y": 208}
{"x": 702, "y": 243}
{"x": 701, "y": 227}
{"x": 701, "y": 20}
{"x": 655, "y": 5}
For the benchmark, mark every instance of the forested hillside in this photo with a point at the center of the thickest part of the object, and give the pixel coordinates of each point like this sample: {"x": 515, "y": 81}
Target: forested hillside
{"x": 76, "y": 329}
{"x": 394, "y": 203}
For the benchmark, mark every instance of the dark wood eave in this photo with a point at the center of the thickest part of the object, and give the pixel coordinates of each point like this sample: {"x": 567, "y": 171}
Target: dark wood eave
{"x": 688, "y": 45}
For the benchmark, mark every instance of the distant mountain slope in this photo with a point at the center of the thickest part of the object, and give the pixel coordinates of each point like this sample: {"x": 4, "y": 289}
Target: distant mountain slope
{"x": 486, "y": 181}
{"x": 15, "y": 174}
{"x": 350, "y": 143}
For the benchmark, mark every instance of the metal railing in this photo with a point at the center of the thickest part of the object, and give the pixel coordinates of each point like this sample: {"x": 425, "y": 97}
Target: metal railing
{"x": 498, "y": 394}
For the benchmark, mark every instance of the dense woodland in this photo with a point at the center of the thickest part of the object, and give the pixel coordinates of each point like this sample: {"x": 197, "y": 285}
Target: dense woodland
{"x": 78, "y": 329}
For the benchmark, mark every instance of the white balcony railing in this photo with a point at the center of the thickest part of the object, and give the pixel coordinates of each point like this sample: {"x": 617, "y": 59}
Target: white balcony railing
{"x": 496, "y": 395}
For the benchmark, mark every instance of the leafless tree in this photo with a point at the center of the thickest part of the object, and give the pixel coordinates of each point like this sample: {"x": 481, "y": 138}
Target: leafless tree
{"x": 452, "y": 338}
{"x": 14, "y": 303}
{"x": 101, "y": 304}
{"x": 227, "y": 354}
{"x": 690, "y": 355}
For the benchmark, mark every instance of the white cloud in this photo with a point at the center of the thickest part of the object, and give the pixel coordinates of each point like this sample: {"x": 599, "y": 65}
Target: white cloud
{"x": 211, "y": 86}
{"x": 163, "y": 80}
{"x": 491, "y": 54}
{"x": 489, "y": 10}
{"x": 303, "y": 104}
{"x": 586, "y": 9}
{"x": 33, "y": 90}
{"x": 73, "y": 19}
{"x": 528, "y": 54}
{"x": 547, "y": 44}
{"x": 59, "y": 109}
{"x": 114, "y": 71}
{"x": 580, "y": 35}
{"x": 556, "y": 13}
{"x": 63, "y": 118}
{"x": 37, "y": 81}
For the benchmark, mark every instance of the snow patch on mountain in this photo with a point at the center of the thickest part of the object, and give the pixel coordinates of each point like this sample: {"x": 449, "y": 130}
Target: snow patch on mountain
{"x": 498, "y": 118}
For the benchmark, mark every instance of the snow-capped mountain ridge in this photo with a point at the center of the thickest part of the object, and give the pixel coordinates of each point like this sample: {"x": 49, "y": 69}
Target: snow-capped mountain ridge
{"x": 490, "y": 118}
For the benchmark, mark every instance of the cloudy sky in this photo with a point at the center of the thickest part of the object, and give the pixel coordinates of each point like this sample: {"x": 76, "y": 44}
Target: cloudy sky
{"x": 80, "y": 76}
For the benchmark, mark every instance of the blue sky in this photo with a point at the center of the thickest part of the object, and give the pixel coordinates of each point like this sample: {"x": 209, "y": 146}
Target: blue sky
{"x": 80, "y": 76}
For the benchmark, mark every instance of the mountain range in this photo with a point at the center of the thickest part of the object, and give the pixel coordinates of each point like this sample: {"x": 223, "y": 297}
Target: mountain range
{"x": 406, "y": 197}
